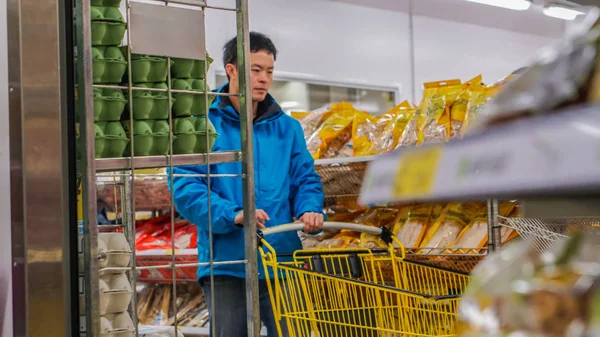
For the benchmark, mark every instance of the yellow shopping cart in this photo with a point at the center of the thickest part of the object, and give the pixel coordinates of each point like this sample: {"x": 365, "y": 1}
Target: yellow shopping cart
{"x": 359, "y": 292}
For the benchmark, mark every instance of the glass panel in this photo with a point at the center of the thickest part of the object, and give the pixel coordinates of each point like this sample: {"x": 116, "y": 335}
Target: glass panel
{"x": 302, "y": 96}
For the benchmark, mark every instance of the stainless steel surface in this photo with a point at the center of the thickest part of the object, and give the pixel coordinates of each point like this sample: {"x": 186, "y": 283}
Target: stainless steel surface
{"x": 494, "y": 237}
{"x": 39, "y": 182}
{"x": 543, "y": 233}
{"x": 247, "y": 136}
{"x": 179, "y": 30}
{"x": 19, "y": 304}
{"x": 87, "y": 167}
{"x": 125, "y": 163}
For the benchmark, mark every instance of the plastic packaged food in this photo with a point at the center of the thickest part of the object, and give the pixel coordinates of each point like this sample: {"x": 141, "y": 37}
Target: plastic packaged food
{"x": 477, "y": 101}
{"x": 364, "y": 131}
{"x": 378, "y": 217}
{"x": 341, "y": 240}
{"x": 475, "y": 235}
{"x": 433, "y": 124}
{"x": 311, "y": 123}
{"x": 519, "y": 292}
{"x": 334, "y": 133}
{"x": 458, "y": 111}
{"x": 371, "y": 241}
{"x": 454, "y": 218}
{"x": 344, "y": 211}
{"x": 411, "y": 232}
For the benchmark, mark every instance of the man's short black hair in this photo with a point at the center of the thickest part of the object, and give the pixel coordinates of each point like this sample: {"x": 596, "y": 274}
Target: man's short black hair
{"x": 258, "y": 42}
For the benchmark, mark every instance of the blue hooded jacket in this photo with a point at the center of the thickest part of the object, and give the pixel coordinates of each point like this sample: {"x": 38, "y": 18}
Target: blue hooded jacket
{"x": 286, "y": 185}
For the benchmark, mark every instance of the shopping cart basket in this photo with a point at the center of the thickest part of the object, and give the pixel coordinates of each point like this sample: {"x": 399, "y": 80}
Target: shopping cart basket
{"x": 360, "y": 292}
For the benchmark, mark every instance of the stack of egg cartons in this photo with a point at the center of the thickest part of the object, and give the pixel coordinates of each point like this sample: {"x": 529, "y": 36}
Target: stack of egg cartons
{"x": 115, "y": 291}
{"x": 150, "y": 109}
{"x": 193, "y": 132}
{"x": 108, "y": 66}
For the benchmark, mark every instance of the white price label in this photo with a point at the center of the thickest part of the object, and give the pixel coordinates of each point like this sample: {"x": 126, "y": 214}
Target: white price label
{"x": 82, "y": 324}
{"x": 81, "y": 285}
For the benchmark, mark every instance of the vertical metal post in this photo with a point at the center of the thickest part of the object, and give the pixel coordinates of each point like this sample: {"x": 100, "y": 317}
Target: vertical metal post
{"x": 494, "y": 236}
{"x": 246, "y": 116}
{"x": 88, "y": 168}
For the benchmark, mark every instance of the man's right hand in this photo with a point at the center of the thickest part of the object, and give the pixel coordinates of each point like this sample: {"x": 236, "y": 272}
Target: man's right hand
{"x": 261, "y": 218}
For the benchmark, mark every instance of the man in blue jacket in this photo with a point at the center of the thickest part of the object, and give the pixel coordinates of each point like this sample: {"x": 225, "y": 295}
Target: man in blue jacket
{"x": 286, "y": 186}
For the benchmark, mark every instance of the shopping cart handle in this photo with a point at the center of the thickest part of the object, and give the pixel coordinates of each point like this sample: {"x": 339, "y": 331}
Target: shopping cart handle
{"x": 297, "y": 226}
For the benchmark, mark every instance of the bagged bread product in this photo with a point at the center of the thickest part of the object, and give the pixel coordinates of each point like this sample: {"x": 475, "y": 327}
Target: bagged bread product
{"x": 344, "y": 211}
{"x": 388, "y": 139}
{"x": 446, "y": 229}
{"x": 458, "y": 111}
{"x": 334, "y": 133}
{"x": 475, "y": 235}
{"x": 378, "y": 217}
{"x": 311, "y": 123}
{"x": 434, "y": 121}
{"x": 410, "y": 135}
{"x": 477, "y": 101}
{"x": 371, "y": 241}
{"x": 341, "y": 240}
{"x": 411, "y": 231}
{"x": 299, "y": 115}
{"x": 364, "y": 129}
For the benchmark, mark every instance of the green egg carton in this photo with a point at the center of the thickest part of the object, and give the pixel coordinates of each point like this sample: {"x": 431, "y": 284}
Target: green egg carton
{"x": 189, "y": 104}
{"x": 108, "y": 65}
{"x": 150, "y": 138}
{"x": 106, "y": 3}
{"x": 111, "y": 140}
{"x": 191, "y": 135}
{"x": 148, "y": 69}
{"x": 108, "y": 26}
{"x": 187, "y": 68}
{"x": 108, "y": 104}
{"x": 150, "y": 104}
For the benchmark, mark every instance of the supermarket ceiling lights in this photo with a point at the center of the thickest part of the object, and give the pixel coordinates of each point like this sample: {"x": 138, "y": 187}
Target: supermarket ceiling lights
{"x": 554, "y": 11}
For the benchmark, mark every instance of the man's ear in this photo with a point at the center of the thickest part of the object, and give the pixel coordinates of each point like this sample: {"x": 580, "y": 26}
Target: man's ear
{"x": 231, "y": 71}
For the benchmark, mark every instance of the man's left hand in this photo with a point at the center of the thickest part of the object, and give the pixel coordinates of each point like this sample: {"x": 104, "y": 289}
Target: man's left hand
{"x": 313, "y": 222}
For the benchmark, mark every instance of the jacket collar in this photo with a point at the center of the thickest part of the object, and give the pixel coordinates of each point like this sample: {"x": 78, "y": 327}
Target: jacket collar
{"x": 268, "y": 109}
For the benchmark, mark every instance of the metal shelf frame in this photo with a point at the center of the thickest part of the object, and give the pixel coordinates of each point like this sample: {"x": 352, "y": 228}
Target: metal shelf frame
{"x": 123, "y": 170}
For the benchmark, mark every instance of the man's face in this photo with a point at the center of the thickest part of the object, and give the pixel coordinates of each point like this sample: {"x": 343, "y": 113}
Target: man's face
{"x": 261, "y": 75}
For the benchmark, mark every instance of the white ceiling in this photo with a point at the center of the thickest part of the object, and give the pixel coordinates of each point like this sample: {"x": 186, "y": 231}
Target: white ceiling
{"x": 531, "y": 21}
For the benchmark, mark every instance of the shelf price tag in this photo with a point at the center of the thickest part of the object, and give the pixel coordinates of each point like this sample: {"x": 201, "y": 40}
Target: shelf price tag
{"x": 416, "y": 173}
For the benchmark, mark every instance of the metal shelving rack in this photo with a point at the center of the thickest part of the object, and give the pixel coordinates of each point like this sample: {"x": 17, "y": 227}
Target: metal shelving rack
{"x": 123, "y": 170}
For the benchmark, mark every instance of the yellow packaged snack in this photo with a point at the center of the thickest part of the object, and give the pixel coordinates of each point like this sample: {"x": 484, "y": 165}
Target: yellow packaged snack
{"x": 371, "y": 241}
{"x": 410, "y": 135}
{"x": 334, "y": 133}
{"x": 454, "y": 218}
{"x": 364, "y": 129}
{"x": 390, "y": 138}
{"x": 458, "y": 111}
{"x": 433, "y": 124}
{"x": 341, "y": 240}
{"x": 477, "y": 101}
{"x": 313, "y": 121}
{"x": 475, "y": 235}
{"x": 299, "y": 115}
{"x": 410, "y": 231}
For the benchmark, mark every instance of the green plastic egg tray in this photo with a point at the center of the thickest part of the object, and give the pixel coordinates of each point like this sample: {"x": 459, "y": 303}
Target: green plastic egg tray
{"x": 108, "y": 65}
{"x": 148, "y": 69}
{"x": 150, "y": 138}
{"x": 108, "y": 26}
{"x": 108, "y": 104}
{"x": 106, "y": 3}
{"x": 190, "y": 135}
{"x": 185, "y": 104}
{"x": 110, "y": 140}
{"x": 187, "y": 68}
{"x": 150, "y": 104}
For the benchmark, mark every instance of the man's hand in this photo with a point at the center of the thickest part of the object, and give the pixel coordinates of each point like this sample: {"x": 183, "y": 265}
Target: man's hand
{"x": 313, "y": 222}
{"x": 261, "y": 218}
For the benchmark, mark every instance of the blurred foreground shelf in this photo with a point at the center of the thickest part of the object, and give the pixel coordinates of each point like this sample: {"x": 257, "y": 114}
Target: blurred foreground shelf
{"x": 553, "y": 155}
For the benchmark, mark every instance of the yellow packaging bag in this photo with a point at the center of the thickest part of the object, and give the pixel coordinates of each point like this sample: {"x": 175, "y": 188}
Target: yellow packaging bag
{"x": 477, "y": 101}
{"x": 475, "y": 235}
{"x": 343, "y": 239}
{"x": 311, "y": 123}
{"x": 410, "y": 134}
{"x": 433, "y": 124}
{"x": 411, "y": 231}
{"x": 299, "y": 115}
{"x": 334, "y": 133}
{"x": 458, "y": 111}
{"x": 364, "y": 128}
{"x": 454, "y": 218}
